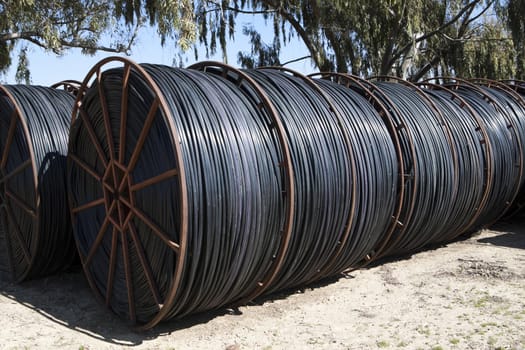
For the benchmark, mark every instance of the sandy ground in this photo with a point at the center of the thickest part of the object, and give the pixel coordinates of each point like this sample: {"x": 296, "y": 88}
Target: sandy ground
{"x": 466, "y": 295}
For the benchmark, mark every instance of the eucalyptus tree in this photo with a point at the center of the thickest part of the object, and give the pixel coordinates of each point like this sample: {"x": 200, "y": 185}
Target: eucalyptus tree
{"x": 89, "y": 25}
{"x": 408, "y": 38}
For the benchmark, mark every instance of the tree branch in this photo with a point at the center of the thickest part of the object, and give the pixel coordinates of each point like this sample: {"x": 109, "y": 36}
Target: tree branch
{"x": 385, "y": 62}
{"x": 469, "y": 39}
{"x": 295, "y": 60}
{"x": 237, "y": 10}
{"x": 17, "y": 35}
{"x": 33, "y": 37}
{"x": 424, "y": 70}
{"x": 81, "y": 45}
{"x": 315, "y": 51}
{"x": 481, "y": 13}
{"x": 339, "y": 56}
{"x": 425, "y": 36}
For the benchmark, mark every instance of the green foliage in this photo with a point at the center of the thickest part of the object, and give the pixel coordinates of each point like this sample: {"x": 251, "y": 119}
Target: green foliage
{"x": 408, "y": 38}
{"x": 515, "y": 11}
{"x": 88, "y": 25}
{"x": 261, "y": 54}
{"x": 22, "y": 71}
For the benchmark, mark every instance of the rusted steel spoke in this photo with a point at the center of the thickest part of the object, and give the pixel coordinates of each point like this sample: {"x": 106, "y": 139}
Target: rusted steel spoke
{"x": 144, "y": 133}
{"x": 18, "y": 234}
{"x": 157, "y": 230}
{"x": 9, "y": 141}
{"x": 115, "y": 222}
{"x": 16, "y": 171}
{"x": 112, "y": 265}
{"x": 146, "y": 266}
{"x": 105, "y": 114}
{"x": 153, "y": 180}
{"x": 124, "y": 112}
{"x": 129, "y": 277}
{"x": 88, "y": 205}
{"x": 87, "y": 168}
{"x": 125, "y": 202}
{"x": 93, "y": 137}
{"x": 99, "y": 237}
{"x": 21, "y": 203}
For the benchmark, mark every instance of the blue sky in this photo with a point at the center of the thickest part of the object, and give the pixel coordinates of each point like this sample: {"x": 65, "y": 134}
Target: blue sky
{"x": 48, "y": 68}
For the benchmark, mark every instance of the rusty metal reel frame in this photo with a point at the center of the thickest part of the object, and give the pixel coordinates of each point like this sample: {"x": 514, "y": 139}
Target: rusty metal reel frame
{"x": 455, "y": 83}
{"x": 484, "y": 141}
{"x": 432, "y": 105}
{"x": 117, "y": 179}
{"x": 71, "y": 86}
{"x": 516, "y": 85}
{"x": 346, "y": 139}
{"x": 8, "y": 197}
{"x": 244, "y": 81}
{"x": 401, "y": 224}
{"x": 516, "y": 89}
{"x": 360, "y": 87}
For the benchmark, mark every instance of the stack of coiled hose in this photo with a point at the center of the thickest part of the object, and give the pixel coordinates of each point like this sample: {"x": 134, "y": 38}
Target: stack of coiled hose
{"x": 195, "y": 189}
{"x": 519, "y": 203}
{"x": 35, "y": 228}
{"x": 506, "y": 144}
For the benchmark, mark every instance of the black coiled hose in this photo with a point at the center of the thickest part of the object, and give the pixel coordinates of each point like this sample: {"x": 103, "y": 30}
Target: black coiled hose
{"x": 194, "y": 189}
{"x": 507, "y": 153}
{"x": 519, "y": 203}
{"x": 473, "y": 164}
{"x": 35, "y": 234}
{"x": 176, "y": 193}
{"x": 513, "y": 105}
{"x": 324, "y": 175}
{"x": 434, "y": 172}
{"x": 376, "y": 177}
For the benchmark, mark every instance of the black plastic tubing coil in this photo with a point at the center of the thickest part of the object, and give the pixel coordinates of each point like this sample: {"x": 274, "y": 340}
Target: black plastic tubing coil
{"x": 519, "y": 203}
{"x": 35, "y": 230}
{"x": 503, "y": 131}
{"x": 473, "y": 163}
{"x": 322, "y": 164}
{"x": 433, "y": 167}
{"x": 377, "y": 172}
{"x": 162, "y": 236}
{"x": 194, "y": 189}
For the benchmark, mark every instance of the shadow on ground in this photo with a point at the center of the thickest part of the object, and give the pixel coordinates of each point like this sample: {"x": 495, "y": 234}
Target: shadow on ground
{"x": 513, "y": 234}
{"x": 67, "y": 300}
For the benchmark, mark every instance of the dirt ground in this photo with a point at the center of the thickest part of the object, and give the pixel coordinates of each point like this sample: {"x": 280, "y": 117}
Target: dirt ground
{"x": 469, "y": 294}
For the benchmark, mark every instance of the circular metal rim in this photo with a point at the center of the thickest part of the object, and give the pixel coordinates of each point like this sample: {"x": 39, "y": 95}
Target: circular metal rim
{"x": 516, "y": 85}
{"x": 71, "y": 86}
{"x": 18, "y": 115}
{"x": 128, "y": 65}
{"x": 348, "y": 226}
{"x": 286, "y": 232}
{"x": 494, "y": 84}
{"x": 347, "y": 80}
